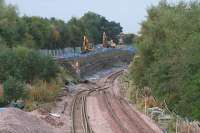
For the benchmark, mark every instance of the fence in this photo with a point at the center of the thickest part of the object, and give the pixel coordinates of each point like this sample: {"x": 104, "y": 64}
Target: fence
{"x": 76, "y": 52}
{"x": 181, "y": 125}
{"x": 169, "y": 121}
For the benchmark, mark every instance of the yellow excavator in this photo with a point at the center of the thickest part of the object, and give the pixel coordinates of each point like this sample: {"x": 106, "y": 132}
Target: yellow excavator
{"x": 105, "y": 41}
{"x": 86, "y": 45}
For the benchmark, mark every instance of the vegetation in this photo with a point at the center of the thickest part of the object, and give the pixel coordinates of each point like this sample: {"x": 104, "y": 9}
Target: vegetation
{"x": 168, "y": 59}
{"x": 42, "y": 33}
{"x": 27, "y": 74}
{"x": 13, "y": 89}
{"x": 20, "y": 66}
{"x": 26, "y": 65}
{"x": 129, "y": 38}
{"x": 40, "y": 93}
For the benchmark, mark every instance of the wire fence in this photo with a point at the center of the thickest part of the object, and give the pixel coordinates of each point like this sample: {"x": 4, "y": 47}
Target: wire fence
{"x": 76, "y": 52}
{"x": 169, "y": 121}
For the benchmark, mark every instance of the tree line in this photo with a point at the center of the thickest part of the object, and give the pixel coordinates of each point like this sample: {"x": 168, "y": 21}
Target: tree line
{"x": 43, "y": 33}
{"x": 168, "y": 58}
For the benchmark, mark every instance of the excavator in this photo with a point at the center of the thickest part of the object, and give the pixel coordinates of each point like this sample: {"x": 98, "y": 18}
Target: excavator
{"x": 86, "y": 45}
{"x": 106, "y": 43}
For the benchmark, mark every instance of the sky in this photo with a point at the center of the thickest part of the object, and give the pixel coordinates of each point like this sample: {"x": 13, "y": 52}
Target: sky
{"x": 129, "y": 13}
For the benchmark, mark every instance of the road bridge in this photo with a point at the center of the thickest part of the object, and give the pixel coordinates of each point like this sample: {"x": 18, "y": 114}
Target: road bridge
{"x": 88, "y": 64}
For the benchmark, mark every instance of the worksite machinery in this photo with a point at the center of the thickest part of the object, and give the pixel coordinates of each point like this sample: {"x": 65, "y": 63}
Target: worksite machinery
{"x": 86, "y": 45}
{"x": 106, "y": 43}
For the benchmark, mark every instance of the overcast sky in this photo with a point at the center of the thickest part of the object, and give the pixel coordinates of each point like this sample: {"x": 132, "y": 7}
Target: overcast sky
{"x": 130, "y": 13}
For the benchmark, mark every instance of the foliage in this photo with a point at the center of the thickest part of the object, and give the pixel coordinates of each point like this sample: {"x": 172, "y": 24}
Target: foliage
{"x": 13, "y": 89}
{"x": 8, "y": 26}
{"x": 26, "y": 65}
{"x": 168, "y": 58}
{"x": 96, "y": 24}
{"x": 43, "y": 91}
{"x": 42, "y": 33}
{"x": 129, "y": 38}
{"x": 2, "y": 102}
{"x": 77, "y": 31}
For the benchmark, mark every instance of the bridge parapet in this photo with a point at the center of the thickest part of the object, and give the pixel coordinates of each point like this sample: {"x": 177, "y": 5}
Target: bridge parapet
{"x": 91, "y": 63}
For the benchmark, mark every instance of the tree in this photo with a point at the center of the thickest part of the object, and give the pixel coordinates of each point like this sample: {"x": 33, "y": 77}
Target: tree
{"x": 168, "y": 49}
{"x": 96, "y": 24}
{"x": 129, "y": 38}
{"x": 40, "y": 29}
{"x": 8, "y": 17}
{"x": 77, "y": 31}
{"x": 42, "y": 33}
{"x": 13, "y": 89}
{"x": 26, "y": 65}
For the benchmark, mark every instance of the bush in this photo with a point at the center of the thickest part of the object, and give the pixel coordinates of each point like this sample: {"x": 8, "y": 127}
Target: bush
{"x": 13, "y": 89}
{"x": 169, "y": 57}
{"x": 2, "y": 102}
{"x": 26, "y": 65}
{"x": 43, "y": 91}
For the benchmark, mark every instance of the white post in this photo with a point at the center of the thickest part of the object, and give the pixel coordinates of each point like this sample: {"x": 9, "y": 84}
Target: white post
{"x": 176, "y": 124}
{"x": 145, "y": 105}
{"x": 188, "y": 127}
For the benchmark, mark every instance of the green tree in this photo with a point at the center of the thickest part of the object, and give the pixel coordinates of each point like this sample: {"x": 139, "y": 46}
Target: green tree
{"x": 26, "y": 65}
{"x": 168, "y": 50}
{"x": 8, "y": 18}
{"x": 77, "y": 31}
{"x": 96, "y": 24}
{"x": 13, "y": 89}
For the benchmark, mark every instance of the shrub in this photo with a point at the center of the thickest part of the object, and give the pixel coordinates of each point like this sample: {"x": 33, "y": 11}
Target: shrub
{"x": 50, "y": 68}
{"x": 43, "y": 91}
{"x": 169, "y": 57}
{"x": 30, "y": 105}
{"x": 26, "y": 65}
{"x": 13, "y": 89}
{"x": 2, "y": 102}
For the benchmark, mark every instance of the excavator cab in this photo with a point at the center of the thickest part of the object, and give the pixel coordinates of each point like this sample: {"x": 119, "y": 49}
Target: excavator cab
{"x": 86, "y": 45}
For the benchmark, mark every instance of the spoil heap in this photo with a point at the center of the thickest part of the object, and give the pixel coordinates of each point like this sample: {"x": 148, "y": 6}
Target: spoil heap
{"x": 16, "y": 121}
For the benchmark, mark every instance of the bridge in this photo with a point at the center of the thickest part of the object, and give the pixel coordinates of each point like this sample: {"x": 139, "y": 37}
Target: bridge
{"x": 100, "y": 59}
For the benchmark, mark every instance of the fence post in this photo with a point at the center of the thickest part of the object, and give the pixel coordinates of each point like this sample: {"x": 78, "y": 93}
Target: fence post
{"x": 145, "y": 105}
{"x": 188, "y": 127}
{"x": 176, "y": 124}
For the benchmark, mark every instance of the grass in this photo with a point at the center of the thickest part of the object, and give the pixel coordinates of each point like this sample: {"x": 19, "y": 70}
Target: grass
{"x": 1, "y": 90}
{"x": 41, "y": 93}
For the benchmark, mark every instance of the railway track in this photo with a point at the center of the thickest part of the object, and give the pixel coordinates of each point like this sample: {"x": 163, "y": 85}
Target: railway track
{"x": 110, "y": 81}
{"x": 133, "y": 120}
{"x": 80, "y": 123}
{"x": 119, "y": 110}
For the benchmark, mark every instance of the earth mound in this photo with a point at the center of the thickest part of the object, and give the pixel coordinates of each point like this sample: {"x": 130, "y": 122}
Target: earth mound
{"x": 13, "y": 120}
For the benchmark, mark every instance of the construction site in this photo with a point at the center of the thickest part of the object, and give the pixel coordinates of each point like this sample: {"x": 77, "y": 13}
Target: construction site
{"x": 96, "y": 105}
{"x": 133, "y": 68}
